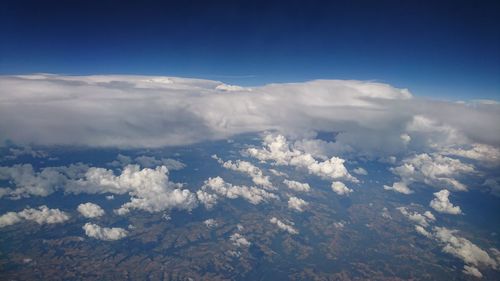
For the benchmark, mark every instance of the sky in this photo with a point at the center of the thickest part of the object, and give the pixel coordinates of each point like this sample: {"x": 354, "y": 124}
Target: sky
{"x": 446, "y": 50}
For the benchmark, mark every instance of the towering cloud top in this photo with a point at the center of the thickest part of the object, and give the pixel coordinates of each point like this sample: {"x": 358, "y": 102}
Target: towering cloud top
{"x": 147, "y": 111}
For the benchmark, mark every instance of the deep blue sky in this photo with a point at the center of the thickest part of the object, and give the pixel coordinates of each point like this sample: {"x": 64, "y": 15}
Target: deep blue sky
{"x": 449, "y": 49}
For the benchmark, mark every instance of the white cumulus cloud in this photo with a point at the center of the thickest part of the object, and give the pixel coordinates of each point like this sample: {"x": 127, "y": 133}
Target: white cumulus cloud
{"x": 284, "y": 226}
{"x": 360, "y": 171}
{"x": 40, "y": 215}
{"x": 248, "y": 168}
{"x": 149, "y": 189}
{"x": 239, "y": 240}
{"x": 104, "y": 233}
{"x": 462, "y": 248}
{"x": 340, "y": 188}
{"x": 471, "y": 270}
{"x": 297, "y": 186}
{"x": 297, "y": 204}
{"x": 442, "y": 203}
{"x": 210, "y": 223}
{"x": 252, "y": 194}
{"x": 421, "y": 219}
{"x": 432, "y": 169}
{"x": 90, "y": 210}
{"x": 400, "y": 187}
{"x": 277, "y": 149}
{"x": 151, "y": 162}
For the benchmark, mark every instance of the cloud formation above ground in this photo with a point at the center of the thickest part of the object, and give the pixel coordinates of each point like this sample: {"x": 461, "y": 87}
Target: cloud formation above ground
{"x": 90, "y": 210}
{"x": 441, "y": 203}
{"x": 40, "y": 215}
{"x": 288, "y": 227}
{"x": 276, "y": 149}
{"x": 214, "y": 187}
{"x": 149, "y": 189}
{"x": 145, "y": 111}
{"x": 104, "y": 233}
{"x": 248, "y": 168}
{"x": 297, "y": 204}
{"x": 297, "y": 186}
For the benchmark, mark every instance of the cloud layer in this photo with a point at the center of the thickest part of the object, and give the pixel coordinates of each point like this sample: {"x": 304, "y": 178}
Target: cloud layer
{"x": 146, "y": 111}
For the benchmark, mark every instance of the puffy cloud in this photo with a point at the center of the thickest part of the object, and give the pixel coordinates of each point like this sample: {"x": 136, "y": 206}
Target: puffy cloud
{"x": 360, "y": 171}
{"x": 277, "y": 149}
{"x": 485, "y": 154}
{"x": 429, "y": 215}
{"x": 239, "y": 240}
{"x": 231, "y": 88}
{"x": 15, "y": 152}
{"x": 423, "y": 231}
{"x": 104, "y": 233}
{"x": 429, "y": 132}
{"x": 210, "y": 223}
{"x": 121, "y": 161}
{"x": 297, "y": 204}
{"x": 278, "y": 173}
{"x": 283, "y": 226}
{"x": 28, "y": 182}
{"x": 442, "y": 203}
{"x": 43, "y": 183}
{"x": 385, "y": 213}
{"x": 44, "y": 215}
{"x": 252, "y": 194}
{"x": 493, "y": 184}
{"x": 405, "y": 138}
{"x": 41, "y": 215}
{"x": 248, "y": 168}
{"x": 462, "y": 248}
{"x": 340, "y": 188}
{"x": 457, "y": 246}
{"x": 149, "y": 189}
{"x": 418, "y": 218}
{"x": 147, "y": 162}
{"x": 339, "y": 224}
{"x": 471, "y": 270}
{"x": 432, "y": 169}
{"x": 90, "y": 210}
{"x": 400, "y": 187}
{"x": 297, "y": 186}
{"x": 9, "y": 218}
{"x": 207, "y": 199}
{"x": 151, "y": 162}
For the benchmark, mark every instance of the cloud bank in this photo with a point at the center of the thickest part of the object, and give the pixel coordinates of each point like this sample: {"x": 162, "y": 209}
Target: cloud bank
{"x": 147, "y": 111}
